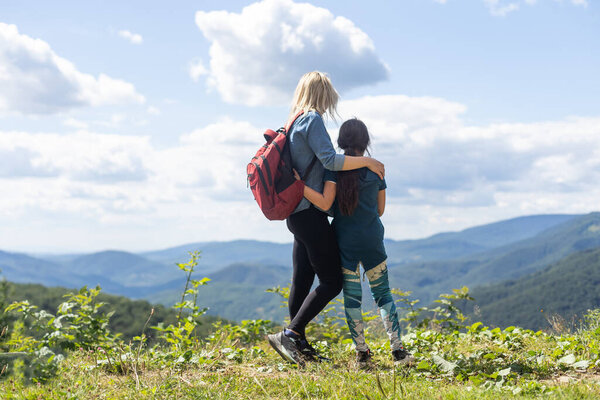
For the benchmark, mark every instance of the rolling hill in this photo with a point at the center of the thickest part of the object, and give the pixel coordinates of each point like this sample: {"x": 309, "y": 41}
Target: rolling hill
{"x": 22, "y": 268}
{"x": 241, "y": 270}
{"x": 217, "y": 255}
{"x": 568, "y": 288}
{"x": 428, "y": 279}
{"x": 452, "y": 245}
{"x": 130, "y": 269}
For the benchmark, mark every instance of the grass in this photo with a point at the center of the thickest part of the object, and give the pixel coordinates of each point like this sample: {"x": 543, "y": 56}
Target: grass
{"x": 226, "y": 370}
{"x": 455, "y": 360}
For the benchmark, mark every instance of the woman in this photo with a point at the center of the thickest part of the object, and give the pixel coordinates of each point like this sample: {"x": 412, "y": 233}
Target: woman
{"x": 315, "y": 249}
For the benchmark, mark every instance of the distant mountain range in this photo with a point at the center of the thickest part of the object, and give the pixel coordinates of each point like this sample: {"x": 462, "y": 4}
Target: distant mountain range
{"x": 509, "y": 261}
{"x": 567, "y": 288}
{"x": 241, "y": 270}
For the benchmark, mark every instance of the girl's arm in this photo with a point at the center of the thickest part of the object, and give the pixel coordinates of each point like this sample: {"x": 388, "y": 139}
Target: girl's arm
{"x": 322, "y": 200}
{"x": 380, "y": 202}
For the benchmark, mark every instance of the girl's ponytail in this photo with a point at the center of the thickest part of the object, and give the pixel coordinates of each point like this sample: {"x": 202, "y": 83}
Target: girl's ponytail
{"x": 354, "y": 140}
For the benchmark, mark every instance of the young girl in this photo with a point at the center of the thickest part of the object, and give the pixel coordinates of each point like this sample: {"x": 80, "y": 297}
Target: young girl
{"x": 359, "y": 202}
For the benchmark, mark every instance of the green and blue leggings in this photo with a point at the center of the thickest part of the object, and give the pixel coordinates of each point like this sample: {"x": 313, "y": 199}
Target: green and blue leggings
{"x": 380, "y": 289}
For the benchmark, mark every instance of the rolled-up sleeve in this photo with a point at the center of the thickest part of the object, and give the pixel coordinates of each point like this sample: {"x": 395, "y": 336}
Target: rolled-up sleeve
{"x": 320, "y": 142}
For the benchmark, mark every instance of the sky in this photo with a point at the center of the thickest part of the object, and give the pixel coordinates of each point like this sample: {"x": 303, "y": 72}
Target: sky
{"x": 128, "y": 125}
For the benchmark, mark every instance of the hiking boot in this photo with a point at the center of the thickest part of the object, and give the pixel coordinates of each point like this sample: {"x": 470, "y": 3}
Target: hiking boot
{"x": 363, "y": 358}
{"x": 402, "y": 357}
{"x": 286, "y": 347}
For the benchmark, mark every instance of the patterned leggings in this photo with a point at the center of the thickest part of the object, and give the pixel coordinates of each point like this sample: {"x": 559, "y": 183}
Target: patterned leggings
{"x": 380, "y": 289}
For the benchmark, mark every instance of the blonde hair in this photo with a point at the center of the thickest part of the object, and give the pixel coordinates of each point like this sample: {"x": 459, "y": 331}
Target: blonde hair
{"x": 315, "y": 92}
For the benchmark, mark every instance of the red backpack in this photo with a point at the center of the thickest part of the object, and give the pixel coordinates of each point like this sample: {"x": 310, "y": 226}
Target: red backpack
{"x": 271, "y": 177}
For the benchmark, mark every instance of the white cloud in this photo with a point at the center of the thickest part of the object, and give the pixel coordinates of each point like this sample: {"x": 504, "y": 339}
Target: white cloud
{"x": 153, "y": 110}
{"x": 82, "y": 156}
{"x": 583, "y": 3}
{"x": 126, "y": 188}
{"x": 75, "y": 123}
{"x": 133, "y": 38}
{"x": 258, "y": 55}
{"x": 432, "y": 153}
{"x": 442, "y": 174}
{"x": 501, "y": 8}
{"x": 35, "y": 80}
{"x": 196, "y": 70}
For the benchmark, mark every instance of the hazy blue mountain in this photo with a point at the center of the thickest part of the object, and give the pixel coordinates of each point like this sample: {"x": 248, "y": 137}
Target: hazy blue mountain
{"x": 241, "y": 270}
{"x": 517, "y": 259}
{"x": 238, "y": 301}
{"x": 568, "y": 288}
{"x": 216, "y": 255}
{"x": 22, "y": 268}
{"x": 237, "y": 291}
{"x": 253, "y": 274}
{"x": 58, "y": 258}
{"x": 124, "y": 268}
{"x": 450, "y": 245}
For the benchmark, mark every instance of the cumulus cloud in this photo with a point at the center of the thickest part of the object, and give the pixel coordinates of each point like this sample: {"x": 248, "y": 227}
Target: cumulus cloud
{"x": 442, "y": 173}
{"x": 501, "y": 8}
{"x": 583, "y": 3}
{"x": 196, "y": 70}
{"x": 258, "y": 55}
{"x": 133, "y": 38}
{"x": 127, "y": 188}
{"x": 35, "y": 80}
{"x": 214, "y": 158}
{"x": 431, "y": 152}
{"x": 153, "y": 110}
{"x": 83, "y": 156}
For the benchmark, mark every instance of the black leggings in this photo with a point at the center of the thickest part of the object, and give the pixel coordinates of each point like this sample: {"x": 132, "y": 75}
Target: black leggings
{"x": 315, "y": 252}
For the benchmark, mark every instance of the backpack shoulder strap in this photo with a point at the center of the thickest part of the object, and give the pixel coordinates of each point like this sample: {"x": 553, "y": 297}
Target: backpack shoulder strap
{"x": 310, "y": 167}
{"x": 291, "y": 122}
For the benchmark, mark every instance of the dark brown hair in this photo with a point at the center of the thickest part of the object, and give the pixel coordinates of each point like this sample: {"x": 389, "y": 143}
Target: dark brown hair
{"x": 354, "y": 140}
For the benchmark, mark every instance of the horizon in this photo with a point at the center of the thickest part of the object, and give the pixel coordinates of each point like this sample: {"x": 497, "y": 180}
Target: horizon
{"x": 140, "y": 252}
{"x": 128, "y": 126}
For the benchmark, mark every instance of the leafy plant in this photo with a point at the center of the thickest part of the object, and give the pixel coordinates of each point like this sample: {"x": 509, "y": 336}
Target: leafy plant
{"x": 180, "y": 336}
{"x": 79, "y": 323}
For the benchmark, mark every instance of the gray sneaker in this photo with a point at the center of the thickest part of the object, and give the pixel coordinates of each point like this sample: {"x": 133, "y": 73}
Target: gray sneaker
{"x": 402, "y": 357}
{"x": 286, "y": 348}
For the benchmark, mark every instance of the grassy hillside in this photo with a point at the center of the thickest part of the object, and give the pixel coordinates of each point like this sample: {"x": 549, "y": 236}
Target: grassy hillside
{"x": 568, "y": 288}
{"x": 454, "y": 360}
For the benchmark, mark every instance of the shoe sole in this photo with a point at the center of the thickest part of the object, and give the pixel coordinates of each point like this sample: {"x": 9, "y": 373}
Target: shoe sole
{"x": 405, "y": 361}
{"x": 278, "y": 347}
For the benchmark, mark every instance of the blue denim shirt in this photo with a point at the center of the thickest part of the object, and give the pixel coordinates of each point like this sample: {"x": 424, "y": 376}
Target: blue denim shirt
{"x": 307, "y": 138}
